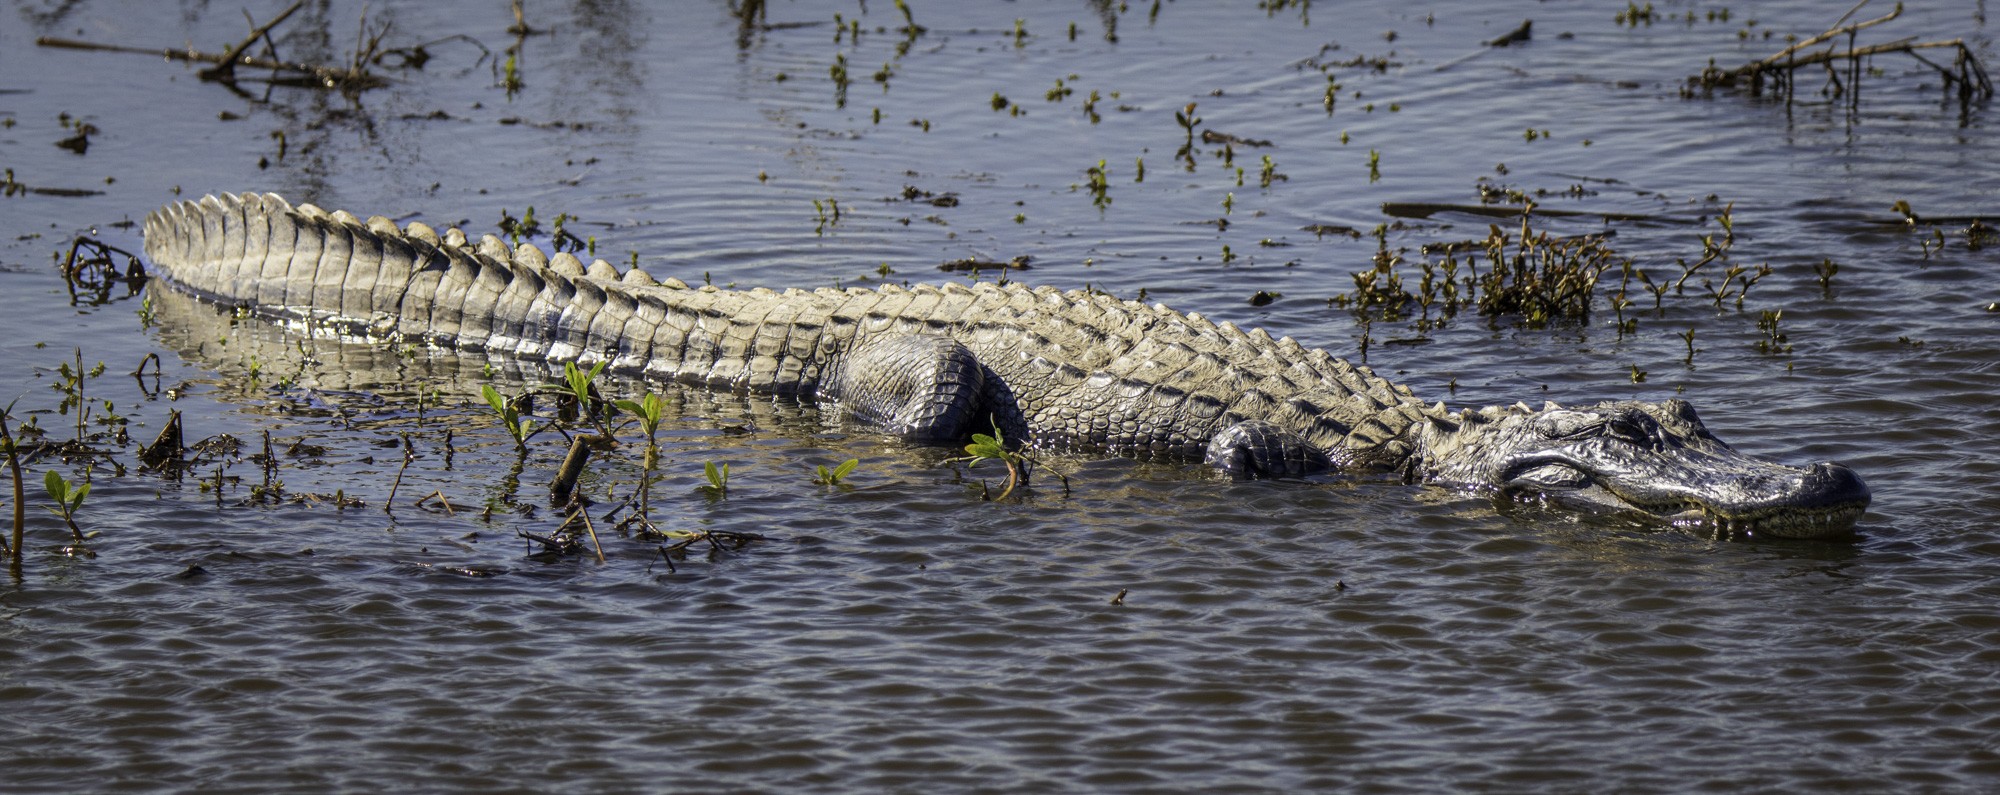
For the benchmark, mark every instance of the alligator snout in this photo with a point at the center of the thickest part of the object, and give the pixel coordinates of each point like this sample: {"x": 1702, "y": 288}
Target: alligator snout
{"x": 1825, "y": 500}
{"x": 1834, "y": 484}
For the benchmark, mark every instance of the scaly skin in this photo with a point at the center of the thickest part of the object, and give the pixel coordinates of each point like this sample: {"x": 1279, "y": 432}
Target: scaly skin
{"x": 1055, "y": 370}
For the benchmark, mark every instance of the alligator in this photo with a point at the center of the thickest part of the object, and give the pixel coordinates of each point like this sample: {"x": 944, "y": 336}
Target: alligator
{"x": 1052, "y": 370}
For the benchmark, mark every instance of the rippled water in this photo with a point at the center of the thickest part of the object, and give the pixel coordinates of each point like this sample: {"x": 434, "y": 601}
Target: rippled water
{"x": 896, "y": 633}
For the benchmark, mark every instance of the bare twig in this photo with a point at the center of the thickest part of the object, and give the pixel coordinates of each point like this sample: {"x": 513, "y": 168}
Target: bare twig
{"x": 588, "y": 528}
{"x": 1849, "y": 30}
{"x": 224, "y": 71}
{"x": 1781, "y": 67}
{"x": 346, "y": 78}
{"x": 442, "y": 502}
{"x": 409, "y": 454}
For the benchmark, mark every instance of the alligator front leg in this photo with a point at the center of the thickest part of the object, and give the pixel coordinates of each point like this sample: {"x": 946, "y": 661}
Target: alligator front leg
{"x": 918, "y": 386}
{"x": 1255, "y": 448}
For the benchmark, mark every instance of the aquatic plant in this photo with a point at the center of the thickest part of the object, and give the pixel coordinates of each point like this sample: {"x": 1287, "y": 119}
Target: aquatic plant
{"x": 521, "y": 428}
{"x": 717, "y": 477}
{"x": 994, "y": 448}
{"x": 1100, "y": 185}
{"x": 13, "y": 550}
{"x": 70, "y": 382}
{"x": 647, "y": 410}
{"x": 1187, "y": 120}
{"x": 69, "y": 499}
{"x": 832, "y": 477}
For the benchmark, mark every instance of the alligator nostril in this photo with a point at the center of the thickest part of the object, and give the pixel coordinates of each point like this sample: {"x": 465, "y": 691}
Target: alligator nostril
{"x": 1834, "y": 483}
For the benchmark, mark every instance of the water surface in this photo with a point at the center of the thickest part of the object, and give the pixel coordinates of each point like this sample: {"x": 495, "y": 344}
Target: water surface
{"x": 899, "y": 634}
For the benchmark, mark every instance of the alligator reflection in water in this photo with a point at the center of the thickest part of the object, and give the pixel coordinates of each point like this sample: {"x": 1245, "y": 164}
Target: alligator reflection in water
{"x": 1075, "y": 370}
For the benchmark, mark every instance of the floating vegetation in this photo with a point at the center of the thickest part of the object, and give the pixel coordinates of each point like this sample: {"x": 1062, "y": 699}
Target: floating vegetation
{"x": 826, "y": 213}
{"x": 838, "y": 71}
{"x": 79, "y": 139}
{"x": 976, "y": 265}
{"x": 1634, "y": 15}
{"x": 1099, "y": 185}
{"x": 9, "y": 186}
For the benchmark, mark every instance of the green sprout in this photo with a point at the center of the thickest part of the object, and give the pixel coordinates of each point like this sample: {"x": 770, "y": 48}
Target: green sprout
{"x": 832, "y": 477}
{"x": 994, "y": 447}
{"x": 69, "y": 497}
{"x": 517, "y": 426}
{"x": 718, "y": 479}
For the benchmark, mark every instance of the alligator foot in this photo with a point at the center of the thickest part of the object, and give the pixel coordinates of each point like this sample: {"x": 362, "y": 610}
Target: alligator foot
{"x": 919, "y": 386}
{"x": 1261, "y": 449}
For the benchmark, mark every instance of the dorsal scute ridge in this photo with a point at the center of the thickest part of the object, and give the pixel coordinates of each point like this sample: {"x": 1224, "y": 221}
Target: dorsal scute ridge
{"x": 563, "y": 262}
{"x": 419, "y": 230}
{"x": 494, "y": 247}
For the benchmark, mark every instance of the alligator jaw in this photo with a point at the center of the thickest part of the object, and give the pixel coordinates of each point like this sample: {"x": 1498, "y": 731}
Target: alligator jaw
{"x": 1822, "y": 500}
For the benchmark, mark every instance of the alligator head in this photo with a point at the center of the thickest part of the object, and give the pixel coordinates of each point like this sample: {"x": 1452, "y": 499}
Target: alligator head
{"x": 1652, "y": 458}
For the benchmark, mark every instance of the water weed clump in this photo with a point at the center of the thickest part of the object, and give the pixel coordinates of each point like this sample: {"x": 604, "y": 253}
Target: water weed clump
{"x": 1531, "y": 274}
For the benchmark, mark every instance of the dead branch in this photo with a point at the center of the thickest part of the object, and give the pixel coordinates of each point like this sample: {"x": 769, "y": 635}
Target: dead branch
{"x": 224, "y": 71}
{"x": 1966, "y": 74}
{"x": 353, "y": 77}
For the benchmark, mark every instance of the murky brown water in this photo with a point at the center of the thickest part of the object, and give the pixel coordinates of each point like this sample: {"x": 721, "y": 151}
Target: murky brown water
{"x": 898, "y": 634}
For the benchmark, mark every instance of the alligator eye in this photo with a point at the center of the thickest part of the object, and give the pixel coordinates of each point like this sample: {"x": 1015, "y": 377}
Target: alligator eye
{"x": 1629, "y": 430}
{"x": 1568, "y": 425}
{"x": 1555, "y": 476}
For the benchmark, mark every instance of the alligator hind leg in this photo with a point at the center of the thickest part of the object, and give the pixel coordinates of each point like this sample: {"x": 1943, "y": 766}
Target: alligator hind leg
{"x": 919, "y": 386}
{"x": 1255, "y": 448}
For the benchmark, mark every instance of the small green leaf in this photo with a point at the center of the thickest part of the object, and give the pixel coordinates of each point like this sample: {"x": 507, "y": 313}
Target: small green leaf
{"x": 845, "y": 467}
{"x": 57, "y": 487}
